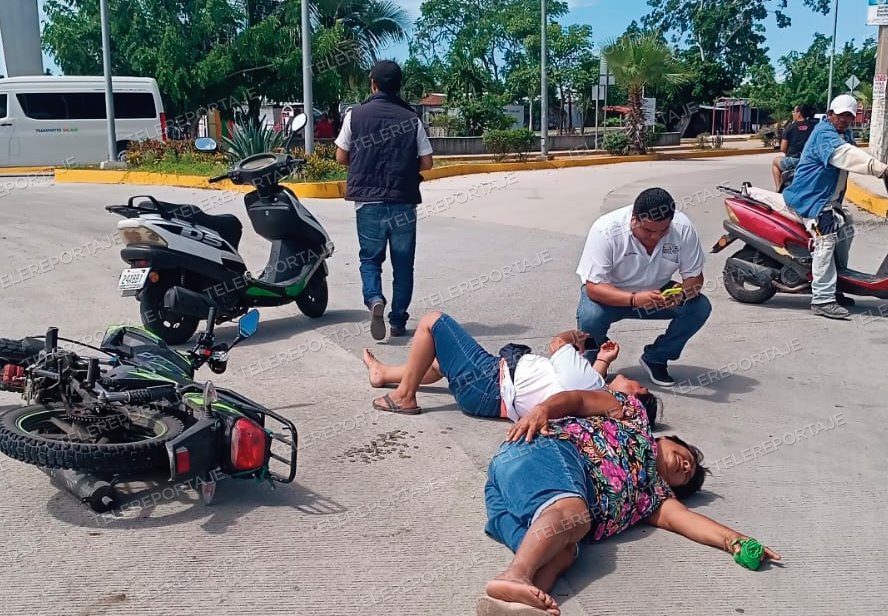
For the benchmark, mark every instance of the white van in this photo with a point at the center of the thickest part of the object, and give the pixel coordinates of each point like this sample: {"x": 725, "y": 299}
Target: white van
{"x": 49, "y": 120}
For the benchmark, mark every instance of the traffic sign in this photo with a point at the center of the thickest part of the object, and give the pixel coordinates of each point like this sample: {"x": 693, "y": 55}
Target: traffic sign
{"x": 852, "y": 83}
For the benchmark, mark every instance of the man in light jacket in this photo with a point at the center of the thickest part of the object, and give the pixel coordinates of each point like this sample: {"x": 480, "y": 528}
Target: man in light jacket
{"x": 817, "y": 193}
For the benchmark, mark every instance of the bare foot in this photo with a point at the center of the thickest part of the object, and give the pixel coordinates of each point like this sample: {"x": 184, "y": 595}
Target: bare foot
{"x": 374, "y": 369}
{"x": 518, "y": 590}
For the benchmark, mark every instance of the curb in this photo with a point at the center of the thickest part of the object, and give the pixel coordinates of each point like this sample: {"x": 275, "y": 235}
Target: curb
{"x": 336, "y": 190}
{"x": 316, "y": 190}
{"x": 866, "y": 200}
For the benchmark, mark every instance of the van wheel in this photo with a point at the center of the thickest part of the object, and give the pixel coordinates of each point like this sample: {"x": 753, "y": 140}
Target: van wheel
{"x": 122, "y": 148}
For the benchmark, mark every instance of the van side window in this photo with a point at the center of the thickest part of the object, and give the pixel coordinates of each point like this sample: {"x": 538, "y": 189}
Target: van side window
{"x": 2, "y": 105}
{"x": 86, "y": 105}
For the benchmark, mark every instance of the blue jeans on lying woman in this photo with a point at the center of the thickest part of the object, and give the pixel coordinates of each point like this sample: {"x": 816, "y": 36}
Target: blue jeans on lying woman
{"x": 472, "y": 373}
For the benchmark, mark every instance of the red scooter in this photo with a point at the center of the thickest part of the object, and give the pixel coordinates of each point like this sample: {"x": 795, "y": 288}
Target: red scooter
{"x": 777, "y": 252}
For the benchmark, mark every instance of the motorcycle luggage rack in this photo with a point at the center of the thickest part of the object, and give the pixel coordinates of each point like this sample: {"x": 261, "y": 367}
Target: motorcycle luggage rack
{"x": 744, "y": 195}
{"x": 285, "y": 433}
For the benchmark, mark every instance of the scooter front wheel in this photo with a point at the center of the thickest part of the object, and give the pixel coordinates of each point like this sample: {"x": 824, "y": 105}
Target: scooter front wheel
{"x": 313, "y": 300}
{"x": 742, "y": 289}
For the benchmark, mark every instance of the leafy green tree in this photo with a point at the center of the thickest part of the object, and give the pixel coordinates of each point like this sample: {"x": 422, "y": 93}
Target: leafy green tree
{"x": 642, "y": 63}
{"x": 728, "y": 33}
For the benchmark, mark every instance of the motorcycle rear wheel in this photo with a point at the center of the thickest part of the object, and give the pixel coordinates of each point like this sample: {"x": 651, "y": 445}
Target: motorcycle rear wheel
{"x": 44, "y": 435}
{"x": 743, "y": 290}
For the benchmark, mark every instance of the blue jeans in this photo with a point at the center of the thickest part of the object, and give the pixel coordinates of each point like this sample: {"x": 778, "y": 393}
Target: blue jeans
{"x": 831, "y": 251}
{"x": 392, "y": 225}
{"x": 686, "y": 320}
{"x": 472, "y": 373}
{"x": 524, "y": 478}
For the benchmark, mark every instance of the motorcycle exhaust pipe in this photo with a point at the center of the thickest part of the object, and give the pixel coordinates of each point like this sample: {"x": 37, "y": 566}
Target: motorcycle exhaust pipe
{"x": 798, "y": 289}
{"x": 100, "y": 495}
{"x": 759, "y": 274}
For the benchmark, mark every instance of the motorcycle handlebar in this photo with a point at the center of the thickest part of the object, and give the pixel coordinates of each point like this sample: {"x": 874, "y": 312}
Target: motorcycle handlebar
{"x": 218, "y": 178}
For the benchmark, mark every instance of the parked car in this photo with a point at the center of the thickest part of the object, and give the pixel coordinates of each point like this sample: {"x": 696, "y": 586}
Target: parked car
{"x": 52, "y": 120}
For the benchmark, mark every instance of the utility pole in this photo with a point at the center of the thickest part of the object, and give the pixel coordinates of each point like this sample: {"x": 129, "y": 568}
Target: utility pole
{"x": 878, "y": 142}
{"x": 109, "y": 87}
{"x": 544, "y": 85}
{"x": 832, "y": 58}
{"x": 308, "y": 95}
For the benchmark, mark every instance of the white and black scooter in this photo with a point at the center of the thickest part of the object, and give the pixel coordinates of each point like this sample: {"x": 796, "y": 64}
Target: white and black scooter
{"x": 177, "y": 252}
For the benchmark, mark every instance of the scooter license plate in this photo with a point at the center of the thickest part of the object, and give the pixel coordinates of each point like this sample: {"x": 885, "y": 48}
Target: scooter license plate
{"x": 132, "y": 280}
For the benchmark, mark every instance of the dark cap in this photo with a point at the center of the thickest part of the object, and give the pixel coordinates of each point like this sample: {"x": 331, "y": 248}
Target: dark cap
{"x": 387, "y": 75}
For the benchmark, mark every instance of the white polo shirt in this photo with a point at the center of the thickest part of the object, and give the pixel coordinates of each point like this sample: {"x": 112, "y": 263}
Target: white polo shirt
{"x": 613, "y": 255}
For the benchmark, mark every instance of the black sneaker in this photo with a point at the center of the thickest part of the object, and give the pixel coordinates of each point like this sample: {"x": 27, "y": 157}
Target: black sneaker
{"x": 397, "y": 331}
{"x": 831, "y": 310}
{"x": 657, "y": 373}
{"x": 844, "y": 301}
{"x": 377, "y": 320}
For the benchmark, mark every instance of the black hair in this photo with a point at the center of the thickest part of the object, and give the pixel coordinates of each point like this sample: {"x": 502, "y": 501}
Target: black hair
{"x": 654, "y": 204}
{"x": 651, "y": 406}
{"x": 806, "y": 111}
{"x": 696, "y": 481}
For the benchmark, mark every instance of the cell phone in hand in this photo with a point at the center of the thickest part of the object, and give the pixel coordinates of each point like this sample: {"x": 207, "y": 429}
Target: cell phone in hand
{"x": 672, "y": 292}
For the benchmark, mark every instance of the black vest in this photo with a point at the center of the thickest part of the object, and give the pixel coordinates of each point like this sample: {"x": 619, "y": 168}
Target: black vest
{"x": 383, "y": 159}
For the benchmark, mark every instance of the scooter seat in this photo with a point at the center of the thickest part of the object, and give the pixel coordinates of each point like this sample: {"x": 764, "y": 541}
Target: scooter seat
{"x": 775, "y": 201}
{"x": 227, "y": 226}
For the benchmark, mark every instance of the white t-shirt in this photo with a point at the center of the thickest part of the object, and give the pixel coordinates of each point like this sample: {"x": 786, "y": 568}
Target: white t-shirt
{"x": 613, "y": 255}
{"x": 538, "y": 378}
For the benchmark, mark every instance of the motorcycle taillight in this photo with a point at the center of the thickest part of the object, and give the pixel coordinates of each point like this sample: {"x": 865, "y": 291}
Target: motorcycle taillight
{"x": 731, "y": 215}
{"x": 248, "y": 445}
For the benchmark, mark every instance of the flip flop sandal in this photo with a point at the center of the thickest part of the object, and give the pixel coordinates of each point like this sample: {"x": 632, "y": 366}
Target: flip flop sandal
{"x": 391, "y": 407}
{"x": 488, "y": 606}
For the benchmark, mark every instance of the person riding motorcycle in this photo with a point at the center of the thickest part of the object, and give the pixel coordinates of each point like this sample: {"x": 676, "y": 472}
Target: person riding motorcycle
{"x": 793, "y": 141}
{"x": 817, "y": 193}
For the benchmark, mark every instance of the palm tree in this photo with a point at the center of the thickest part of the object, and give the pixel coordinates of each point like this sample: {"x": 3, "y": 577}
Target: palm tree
{"x": 639, "y": 62}
{"x": 369, "y": 26}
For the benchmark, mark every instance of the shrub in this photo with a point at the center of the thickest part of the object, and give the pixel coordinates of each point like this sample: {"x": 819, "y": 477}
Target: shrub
{"x": 251, "y": 136}
{"x": 614, "y": 122}
{"x": 501, "y": 143}
{"x": 318, "y": 169}
{"x": 704, "y": 141}
{"x": 616, "y": 143}
{"x": 151, "y": 152}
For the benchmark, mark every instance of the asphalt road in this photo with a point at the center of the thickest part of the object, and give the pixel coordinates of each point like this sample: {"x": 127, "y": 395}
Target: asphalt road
{"x": 789, "y": 409}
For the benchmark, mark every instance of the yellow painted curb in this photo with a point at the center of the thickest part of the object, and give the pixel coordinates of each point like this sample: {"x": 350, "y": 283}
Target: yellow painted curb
{"x": 25, "y": 170}
{"x": 314, "y": 190}
{"x": 336, "y": 190}
{"x": 865, "y": 200}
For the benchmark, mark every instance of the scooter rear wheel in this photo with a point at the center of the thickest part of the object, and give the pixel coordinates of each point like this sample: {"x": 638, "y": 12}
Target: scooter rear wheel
{"x": 313, "y": 300}
{"x": 172, "y": 328}
{"x": 746, "y": 291}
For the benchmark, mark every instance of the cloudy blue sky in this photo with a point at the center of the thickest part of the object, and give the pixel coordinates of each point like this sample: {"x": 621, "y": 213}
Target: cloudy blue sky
{"x": 610, "y": 18}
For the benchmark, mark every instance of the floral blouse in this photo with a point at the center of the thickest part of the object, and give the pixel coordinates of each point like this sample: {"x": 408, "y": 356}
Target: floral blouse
{"x": 621, "y": 461}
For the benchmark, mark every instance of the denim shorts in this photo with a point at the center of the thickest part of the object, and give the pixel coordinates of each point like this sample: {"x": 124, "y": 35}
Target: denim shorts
{"x": 525, "y": 478}
{"x": 789, "y": 162}
{"x": 472, "y": 373}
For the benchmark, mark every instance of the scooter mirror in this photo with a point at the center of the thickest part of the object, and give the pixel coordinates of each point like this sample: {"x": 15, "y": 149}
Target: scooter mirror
{"x": 298, "y": 123}
{"x": 206, "y": 144}
{"x": 248, "y": 324}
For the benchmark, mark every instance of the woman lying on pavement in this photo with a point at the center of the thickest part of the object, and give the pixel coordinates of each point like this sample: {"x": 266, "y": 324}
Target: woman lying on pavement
{"x": 488, "y": 386}
{"x": 585, "y": 463}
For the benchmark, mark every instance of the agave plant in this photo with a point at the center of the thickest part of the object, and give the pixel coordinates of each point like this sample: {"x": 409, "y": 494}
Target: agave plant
{"x": 251, "y": 136}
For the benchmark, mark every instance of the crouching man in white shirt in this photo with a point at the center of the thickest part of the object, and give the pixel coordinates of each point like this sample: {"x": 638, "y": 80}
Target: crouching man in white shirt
{"x": 629, "y": 260}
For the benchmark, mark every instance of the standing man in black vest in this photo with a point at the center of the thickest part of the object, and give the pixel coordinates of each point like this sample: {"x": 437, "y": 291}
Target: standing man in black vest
{"x": 385, "y": 146}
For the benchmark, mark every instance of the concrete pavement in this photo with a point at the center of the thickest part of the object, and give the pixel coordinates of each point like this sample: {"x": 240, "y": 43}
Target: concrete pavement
{"x": 787, "y": 407}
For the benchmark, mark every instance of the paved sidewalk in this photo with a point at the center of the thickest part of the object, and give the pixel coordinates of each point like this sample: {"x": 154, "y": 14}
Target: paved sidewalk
{"x": 788, "y": 408}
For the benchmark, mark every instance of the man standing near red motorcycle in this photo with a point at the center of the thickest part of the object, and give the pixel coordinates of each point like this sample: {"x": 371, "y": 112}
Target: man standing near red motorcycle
{"x": 817, "y": 193}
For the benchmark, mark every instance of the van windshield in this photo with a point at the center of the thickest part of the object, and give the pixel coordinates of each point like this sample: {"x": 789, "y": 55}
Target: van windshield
{"x": 86, "y": 105}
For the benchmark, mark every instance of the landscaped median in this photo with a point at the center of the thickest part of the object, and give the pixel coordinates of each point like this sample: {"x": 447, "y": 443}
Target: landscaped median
{"x": 336, "y": 190}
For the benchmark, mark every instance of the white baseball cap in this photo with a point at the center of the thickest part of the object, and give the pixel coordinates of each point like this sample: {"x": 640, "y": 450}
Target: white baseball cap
{"x": 844, "y": 103}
